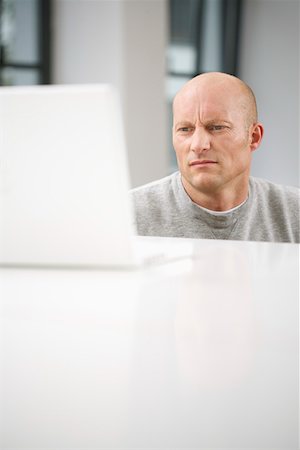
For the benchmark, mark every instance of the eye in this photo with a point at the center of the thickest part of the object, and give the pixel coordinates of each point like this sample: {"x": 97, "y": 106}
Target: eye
{"x": 216, "y": 127}
{"x": 184, "y": 129}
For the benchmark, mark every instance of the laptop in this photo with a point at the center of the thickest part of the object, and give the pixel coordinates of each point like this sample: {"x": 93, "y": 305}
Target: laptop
{"x": 64, "y": 180}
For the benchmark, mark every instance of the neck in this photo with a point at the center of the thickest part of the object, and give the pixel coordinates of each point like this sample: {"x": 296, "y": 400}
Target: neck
{"x": 219, "y": 200}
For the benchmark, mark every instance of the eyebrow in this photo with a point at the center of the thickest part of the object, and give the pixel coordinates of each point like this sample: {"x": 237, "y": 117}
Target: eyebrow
{"x": 209, "y": 122}
{"x": 183, "y": 124}
{"x": 218, "y": 120}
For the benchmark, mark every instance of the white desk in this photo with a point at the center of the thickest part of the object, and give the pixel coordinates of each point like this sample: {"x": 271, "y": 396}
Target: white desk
{"x": 201, "y": 354}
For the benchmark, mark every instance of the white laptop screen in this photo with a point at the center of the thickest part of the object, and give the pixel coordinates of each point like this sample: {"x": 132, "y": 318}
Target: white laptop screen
{"x": 64, "y": 177}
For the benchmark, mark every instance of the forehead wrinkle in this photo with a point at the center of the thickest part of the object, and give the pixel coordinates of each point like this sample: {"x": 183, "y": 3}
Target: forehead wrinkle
{"x": 207, "y": 83}
{"x": 200, "y": 112}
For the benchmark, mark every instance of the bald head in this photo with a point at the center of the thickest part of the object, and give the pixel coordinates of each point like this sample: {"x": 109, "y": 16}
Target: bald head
{"x": 225, "y": 85}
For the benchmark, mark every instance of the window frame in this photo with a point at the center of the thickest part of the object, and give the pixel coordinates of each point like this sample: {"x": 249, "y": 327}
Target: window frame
{"x": 43, "y": 66}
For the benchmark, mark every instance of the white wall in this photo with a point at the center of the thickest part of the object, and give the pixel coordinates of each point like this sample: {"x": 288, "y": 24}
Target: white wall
{"x": 145, "y": 41}
{"x": 270, "y": 65}
{"x": 87, "y": 42}
{"x": 122, "y": 42}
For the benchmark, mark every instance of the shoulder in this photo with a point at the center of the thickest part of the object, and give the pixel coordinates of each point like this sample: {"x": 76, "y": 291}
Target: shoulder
{"x": 275, "y": 209}
{"x": 155, "y": 191}
{"x": 274, "y": 192}
{"x": 155, "y": 205}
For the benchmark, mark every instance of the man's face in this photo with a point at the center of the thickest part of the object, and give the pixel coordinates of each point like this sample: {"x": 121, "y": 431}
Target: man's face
{"x": 211, "y": 138}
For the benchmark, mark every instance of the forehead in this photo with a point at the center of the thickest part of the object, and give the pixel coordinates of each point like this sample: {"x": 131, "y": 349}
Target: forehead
{"x": 207, "y": 103}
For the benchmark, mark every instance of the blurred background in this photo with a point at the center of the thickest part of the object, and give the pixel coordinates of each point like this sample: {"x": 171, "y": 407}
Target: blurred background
{"x": 148, "y": 49}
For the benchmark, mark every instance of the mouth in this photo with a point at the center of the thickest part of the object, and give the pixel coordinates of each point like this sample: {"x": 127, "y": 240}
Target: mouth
{"x": 204, "y": 162}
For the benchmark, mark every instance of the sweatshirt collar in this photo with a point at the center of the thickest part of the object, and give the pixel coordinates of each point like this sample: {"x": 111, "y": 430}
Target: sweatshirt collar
{"x": 201, "y": 212}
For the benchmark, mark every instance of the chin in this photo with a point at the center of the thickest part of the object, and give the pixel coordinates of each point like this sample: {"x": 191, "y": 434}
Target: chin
{"x": 204, "y": 182}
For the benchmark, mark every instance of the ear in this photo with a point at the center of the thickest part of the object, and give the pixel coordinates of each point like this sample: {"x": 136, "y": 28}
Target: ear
{"x": 256, "y": 135}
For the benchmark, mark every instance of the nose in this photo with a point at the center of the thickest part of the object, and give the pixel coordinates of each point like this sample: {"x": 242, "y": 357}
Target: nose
{"x": 200, "y": 140}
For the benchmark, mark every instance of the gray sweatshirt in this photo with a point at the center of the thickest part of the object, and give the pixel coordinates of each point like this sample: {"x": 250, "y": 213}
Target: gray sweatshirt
{"x": 271, "y": 213}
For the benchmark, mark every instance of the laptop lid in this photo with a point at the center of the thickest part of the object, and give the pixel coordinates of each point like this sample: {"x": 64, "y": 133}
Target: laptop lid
{"x": 64, "y": 177}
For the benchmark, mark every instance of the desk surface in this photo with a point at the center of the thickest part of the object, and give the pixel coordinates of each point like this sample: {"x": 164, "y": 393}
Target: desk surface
{"x": 200, "y": 353}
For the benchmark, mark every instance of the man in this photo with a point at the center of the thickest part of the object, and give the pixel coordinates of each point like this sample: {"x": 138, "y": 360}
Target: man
{"x": 213, "y": 196}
